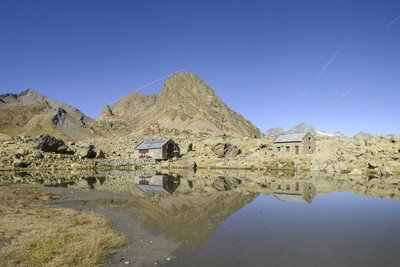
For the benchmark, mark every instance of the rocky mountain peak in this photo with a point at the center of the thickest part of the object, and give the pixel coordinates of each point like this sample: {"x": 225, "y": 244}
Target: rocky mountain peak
{"x": 106, "y": 112}
{"x": 302, "y": 128}
{"x": 185, "y": 102}
{"x": 274, "y": 133}
{"x": 30, "y": 112}
{"x": 186, "y": 83}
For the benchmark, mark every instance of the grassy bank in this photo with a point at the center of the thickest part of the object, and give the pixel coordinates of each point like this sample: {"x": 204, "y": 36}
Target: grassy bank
{"x": 36, "y": 235}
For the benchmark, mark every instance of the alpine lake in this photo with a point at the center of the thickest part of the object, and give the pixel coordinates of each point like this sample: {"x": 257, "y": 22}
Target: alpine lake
{"x": 235, "y": 217}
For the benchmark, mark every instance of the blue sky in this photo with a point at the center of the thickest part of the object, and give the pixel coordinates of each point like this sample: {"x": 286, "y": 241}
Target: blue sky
{"x": 332, "y": 64}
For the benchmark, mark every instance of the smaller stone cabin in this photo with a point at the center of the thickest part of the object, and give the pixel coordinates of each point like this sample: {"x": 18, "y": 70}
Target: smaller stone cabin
{"x": 295, "y": 144}
{"x": 294, "y": 191}
{"x": 157, "y": 149}
{"x": 158, "y": 183}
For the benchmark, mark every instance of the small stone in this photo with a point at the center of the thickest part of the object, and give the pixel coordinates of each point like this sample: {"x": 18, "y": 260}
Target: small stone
{"x": 127, "y": 263}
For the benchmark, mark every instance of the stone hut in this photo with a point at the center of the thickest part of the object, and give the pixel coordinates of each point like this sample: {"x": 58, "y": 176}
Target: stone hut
{"x": 157, "y": 149}
{"x": 158, "y": 183}
{"x": 295, "y": 144}
{"x": 294, "y": 191}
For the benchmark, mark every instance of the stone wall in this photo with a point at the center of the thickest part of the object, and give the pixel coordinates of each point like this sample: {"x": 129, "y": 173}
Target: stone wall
{"x": 307, "y": 146}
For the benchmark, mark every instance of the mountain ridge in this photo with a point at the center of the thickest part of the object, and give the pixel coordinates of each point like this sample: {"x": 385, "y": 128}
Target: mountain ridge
{"x": 185, "y": 102}
{"x": 30, "y": 112}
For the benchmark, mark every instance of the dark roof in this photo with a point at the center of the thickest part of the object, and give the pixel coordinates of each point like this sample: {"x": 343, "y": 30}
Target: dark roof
{"x": 152, "y": 144}
{"x": 287, "y": 138}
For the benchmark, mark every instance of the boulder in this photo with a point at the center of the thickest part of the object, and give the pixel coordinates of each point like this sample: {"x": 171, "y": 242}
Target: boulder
{"x": 48, "y": 143}
{"x": 226, "y": 150}
{"x": 226, "y": 183}
{"x": 100, "y": 154}
{"x": 38, "y": 155}
{"x": 20, "y": 163}
{"x": 356, "y": 172}
{"x": 385, "y": 171}
{"x": 86, "y": 152}
{"x": 22, "y": 151}
{"x": 372, "y": 165}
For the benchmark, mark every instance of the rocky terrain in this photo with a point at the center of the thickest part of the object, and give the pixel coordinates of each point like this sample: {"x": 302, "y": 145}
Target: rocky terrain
{"x": 39, "y": 133}
{"x": 377, "y": 156}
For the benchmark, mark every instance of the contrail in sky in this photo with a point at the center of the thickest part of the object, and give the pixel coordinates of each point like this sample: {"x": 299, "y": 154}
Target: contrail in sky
{"x": 160, "y": 79}
{"x": 325, "y": 67}
{"x": 164, "y": 77}
{"x": 392, "y": 22}
{"x": 348, "y": 92}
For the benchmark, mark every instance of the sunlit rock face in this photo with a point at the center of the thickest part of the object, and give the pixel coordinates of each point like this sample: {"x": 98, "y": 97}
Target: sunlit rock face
{"x": 186, "y": 103}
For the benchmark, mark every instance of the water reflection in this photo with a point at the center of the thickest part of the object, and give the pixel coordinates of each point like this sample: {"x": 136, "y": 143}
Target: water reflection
{"x": 158, "y": 183}
{"x": 297, "y": 191}
{"x": 229, "y": 218}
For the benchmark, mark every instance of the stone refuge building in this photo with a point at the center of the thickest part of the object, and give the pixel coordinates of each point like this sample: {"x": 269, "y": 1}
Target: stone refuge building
{"x": 157, "y": 149}
{"x": 295, "y": 144}
{"x": 294, "y": 191}
{"x": 158, "y": 183}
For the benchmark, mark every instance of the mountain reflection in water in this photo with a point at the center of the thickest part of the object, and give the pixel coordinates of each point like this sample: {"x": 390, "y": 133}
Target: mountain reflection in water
{"x": 274, "y": 220}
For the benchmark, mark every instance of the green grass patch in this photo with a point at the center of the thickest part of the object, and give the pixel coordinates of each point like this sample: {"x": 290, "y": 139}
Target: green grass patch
{"x": 45, "y": 251}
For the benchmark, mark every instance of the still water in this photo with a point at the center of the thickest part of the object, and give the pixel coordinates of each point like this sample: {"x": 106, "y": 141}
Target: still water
{"x": 336, "y": 229}
{"x": 240, "y": 218}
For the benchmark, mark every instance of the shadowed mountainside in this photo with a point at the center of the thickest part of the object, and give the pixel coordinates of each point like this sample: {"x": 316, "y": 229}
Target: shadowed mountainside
{"x": 32, "y": 113}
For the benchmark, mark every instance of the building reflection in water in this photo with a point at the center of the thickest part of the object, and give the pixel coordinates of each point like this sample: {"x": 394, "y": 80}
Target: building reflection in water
{"x": 296, "y": 191}
{"x": 158, "y": 183}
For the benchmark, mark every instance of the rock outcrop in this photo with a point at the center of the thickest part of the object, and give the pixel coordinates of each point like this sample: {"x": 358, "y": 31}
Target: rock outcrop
{"x": 48, "y": 143}
{"x": 226, "y": 150}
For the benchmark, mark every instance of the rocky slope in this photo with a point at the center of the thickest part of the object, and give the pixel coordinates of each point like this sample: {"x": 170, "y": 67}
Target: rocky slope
{"x": 32, "y": 113}
{"x": 185, "y": 103}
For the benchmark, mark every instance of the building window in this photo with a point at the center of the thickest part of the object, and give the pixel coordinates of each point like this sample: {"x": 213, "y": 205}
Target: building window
{"x": 309, "y": 148}
{"x": 279, "y": 149}
{"x": 288, "y": 149}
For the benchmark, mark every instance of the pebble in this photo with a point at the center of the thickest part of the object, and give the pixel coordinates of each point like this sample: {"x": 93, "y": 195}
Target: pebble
{"x": 127, "y": 262}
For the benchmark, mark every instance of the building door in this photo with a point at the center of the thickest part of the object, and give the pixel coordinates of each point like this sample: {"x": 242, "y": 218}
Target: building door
{"x": 170, "y": 150}
{"x": 143, "y": 153}
{"x": 296, "y": 149}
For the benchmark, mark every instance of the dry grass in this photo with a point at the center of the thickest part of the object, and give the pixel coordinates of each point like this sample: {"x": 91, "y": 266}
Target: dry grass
{"x": 41, "y": 236}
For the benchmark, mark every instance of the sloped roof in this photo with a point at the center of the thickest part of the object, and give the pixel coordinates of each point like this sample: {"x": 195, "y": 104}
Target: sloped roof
{"x": 151, "y": 144}
{"x": 290, "y": 197}
{"x": 285, "y": 138}
{"x": 152, "y": 188}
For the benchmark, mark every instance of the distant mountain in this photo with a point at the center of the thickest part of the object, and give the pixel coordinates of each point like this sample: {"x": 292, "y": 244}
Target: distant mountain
{"x": 362, "y": 134}
{"x": 273, "y": 133}
{"x": 32, "y": 113}
{"x": 302, "y": 128}
{"x": 335, "y": 134}
{"x": 186, "y": 103}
